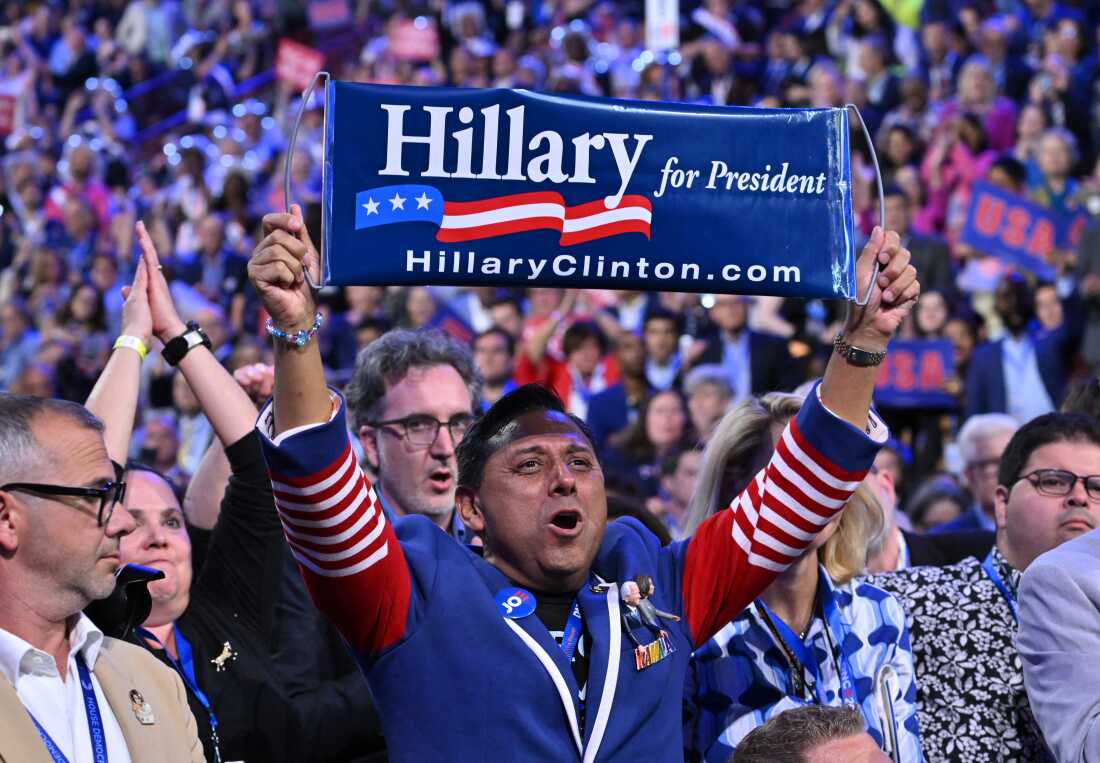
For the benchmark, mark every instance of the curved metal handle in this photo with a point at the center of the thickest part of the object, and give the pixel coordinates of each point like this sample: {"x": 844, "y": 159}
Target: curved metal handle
{"x": 881, "y": 204}
{"x": 289, "y": 163}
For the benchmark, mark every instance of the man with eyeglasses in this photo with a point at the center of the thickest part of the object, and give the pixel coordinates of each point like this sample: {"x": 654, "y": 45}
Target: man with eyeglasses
{"x": 963, "y": 619}
{"x": 982, "y": 439}
{"x": 411, "y": 398}
{"x": 67, "y": 692}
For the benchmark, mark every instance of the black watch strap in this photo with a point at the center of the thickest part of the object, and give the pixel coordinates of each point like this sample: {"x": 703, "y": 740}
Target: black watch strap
{"x": 175, "y": 349}
{"x": 855, "y": 355}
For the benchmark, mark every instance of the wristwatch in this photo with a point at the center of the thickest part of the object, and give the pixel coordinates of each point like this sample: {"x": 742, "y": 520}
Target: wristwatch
{"x": 175, "y": 349}
{"x": 855, "y": 355}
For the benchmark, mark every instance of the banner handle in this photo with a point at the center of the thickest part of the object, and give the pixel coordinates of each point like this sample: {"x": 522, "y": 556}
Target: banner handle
{"x": 289, "y": 162}
{"x": 881, "y": 203}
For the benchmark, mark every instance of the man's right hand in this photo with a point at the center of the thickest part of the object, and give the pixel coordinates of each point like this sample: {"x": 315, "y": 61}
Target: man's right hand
{"x": 277, "y": 270}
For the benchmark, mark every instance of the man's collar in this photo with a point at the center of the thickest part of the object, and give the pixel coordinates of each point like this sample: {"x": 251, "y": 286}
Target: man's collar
{"x": 17, "y": 655}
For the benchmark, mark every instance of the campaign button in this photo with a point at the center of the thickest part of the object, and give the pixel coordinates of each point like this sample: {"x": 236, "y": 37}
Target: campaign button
{"x": 515, "y": 603}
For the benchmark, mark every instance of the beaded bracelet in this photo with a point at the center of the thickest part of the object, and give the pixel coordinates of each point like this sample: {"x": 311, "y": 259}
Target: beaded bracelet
{"x": 299, "y": 338}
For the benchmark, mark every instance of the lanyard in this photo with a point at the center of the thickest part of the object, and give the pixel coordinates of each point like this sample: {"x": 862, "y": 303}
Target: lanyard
{"x": 836, "y": 629}
{"x": 185, "y": 666}
{"x": 91, "y": 710}
{"x": 803, "y": 655}
{"x": 572, "y": 633}
{"x": 998, "y": 581}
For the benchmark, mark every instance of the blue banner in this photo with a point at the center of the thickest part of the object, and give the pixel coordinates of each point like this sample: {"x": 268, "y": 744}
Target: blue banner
{"x": 916, "y": 373}
{"x": 479, "y": 187}
{"x": 1019, "y": 231}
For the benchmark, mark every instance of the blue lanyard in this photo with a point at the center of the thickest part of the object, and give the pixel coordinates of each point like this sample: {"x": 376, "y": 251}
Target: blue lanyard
{"x": 185, "y": 666}
{"x": 572, "y": 633}
{"x": 91, "y": 710}
{"x": 998, "y": 581}
{"x": 836, "y": 630}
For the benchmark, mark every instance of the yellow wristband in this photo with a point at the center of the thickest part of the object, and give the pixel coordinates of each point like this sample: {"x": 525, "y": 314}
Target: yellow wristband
{"x": 134, "y": 343}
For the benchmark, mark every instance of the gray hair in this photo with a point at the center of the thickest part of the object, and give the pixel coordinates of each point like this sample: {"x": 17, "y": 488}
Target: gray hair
{"x": 20, "y": 450}
{"x": 790, "y": 735}
{"x": 708, "y": 375}
{"x": 742, "y": 440}
{"x": 385, "y": 362}
{"x": 981, "y": 427}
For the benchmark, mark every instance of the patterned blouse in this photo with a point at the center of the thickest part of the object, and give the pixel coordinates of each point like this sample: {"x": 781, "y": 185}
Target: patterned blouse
{"x": 743, "y": 676}
{"x": 970, "y": 685}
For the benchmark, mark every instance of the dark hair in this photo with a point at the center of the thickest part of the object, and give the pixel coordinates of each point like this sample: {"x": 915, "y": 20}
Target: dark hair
{"x": 1044, "y": 430}
{"x": 475, "y": 449}
{"x": 894, "y": 190}
{"x": 661, "y": 314}
{"x": 619, "y": 506}
{"x": 1012, "y": 167}
{"x": 97, "y": 321}
{"x": 788, "y": 736}
{"x": 579, "y": 333}
{"x": 636, "y": 444}
{"x": 936, "y": 488}
{"x": 138, "y": 466}
{"x": 509, "y": 340}
{"x": 387, "y": 360}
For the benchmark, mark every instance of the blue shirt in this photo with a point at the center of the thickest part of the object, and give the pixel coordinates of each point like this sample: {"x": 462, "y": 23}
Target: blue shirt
{"x": 741, "y": 677}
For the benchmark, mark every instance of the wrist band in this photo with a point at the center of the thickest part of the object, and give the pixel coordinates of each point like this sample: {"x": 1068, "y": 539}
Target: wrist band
{"x": 134, "y": 343}
{"x": 297, "y": 338}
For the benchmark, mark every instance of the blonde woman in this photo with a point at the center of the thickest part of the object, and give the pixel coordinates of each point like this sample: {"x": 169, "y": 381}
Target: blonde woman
{"x": 815, "y": 636}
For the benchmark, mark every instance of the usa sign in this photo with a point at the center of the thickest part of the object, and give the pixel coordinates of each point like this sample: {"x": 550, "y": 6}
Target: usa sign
{"x": 915, "y": 374}
{"x": 1017, "y": 230}
{"x": 467, "y": 187}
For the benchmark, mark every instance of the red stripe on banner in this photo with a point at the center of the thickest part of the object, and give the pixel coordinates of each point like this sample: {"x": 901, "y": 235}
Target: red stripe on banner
{"x": 593, "y": 207}
{"x": 313, "y": 479}
{"x": 498, "y": 229}
{"x": 603, "y": 231}
{"x": 501, "y": 202}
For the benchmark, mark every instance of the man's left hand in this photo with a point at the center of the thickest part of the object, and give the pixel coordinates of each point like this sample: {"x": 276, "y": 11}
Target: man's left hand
{"x": 893, "y": 294}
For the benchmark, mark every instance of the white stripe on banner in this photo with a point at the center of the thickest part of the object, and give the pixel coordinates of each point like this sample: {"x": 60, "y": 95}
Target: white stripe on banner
{"x": 503, "y": 215}
{"x": 606, "y": 218}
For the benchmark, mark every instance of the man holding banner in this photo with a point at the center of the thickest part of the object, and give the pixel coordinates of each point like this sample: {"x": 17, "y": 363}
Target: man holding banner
{"x": 563, "y": 639}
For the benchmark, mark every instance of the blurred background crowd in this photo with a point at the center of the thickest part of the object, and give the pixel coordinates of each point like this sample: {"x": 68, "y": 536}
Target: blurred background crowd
{"x": 178, "y": 113}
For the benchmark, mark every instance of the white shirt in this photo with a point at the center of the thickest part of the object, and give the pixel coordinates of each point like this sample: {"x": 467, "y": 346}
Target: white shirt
{"x": 1026, "y": 395}
{"x": 59, "y": 705}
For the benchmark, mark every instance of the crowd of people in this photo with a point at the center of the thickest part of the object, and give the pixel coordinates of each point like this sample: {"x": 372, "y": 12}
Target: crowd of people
{"x": 142, "y": 162}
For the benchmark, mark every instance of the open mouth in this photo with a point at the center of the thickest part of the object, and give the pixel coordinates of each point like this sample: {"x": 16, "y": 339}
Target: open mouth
{"x": 441, "y": 478}
{"x": 566, "y": 522}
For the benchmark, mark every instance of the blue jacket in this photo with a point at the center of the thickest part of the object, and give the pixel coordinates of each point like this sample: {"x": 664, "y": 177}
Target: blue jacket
{"x": 457, "y": 681}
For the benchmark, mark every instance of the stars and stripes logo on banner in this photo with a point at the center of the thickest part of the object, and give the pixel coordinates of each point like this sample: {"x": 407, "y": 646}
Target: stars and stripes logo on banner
{"x": 502, "y": 215}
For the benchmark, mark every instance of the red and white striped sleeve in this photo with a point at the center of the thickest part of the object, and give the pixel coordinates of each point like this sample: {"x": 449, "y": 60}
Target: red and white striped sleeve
{"x": 334, "y": 524}
{"x": 737, "y": 553}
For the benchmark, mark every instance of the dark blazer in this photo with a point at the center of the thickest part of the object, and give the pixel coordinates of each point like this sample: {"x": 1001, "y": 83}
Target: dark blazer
{"x": 985, "y": 382}
{"x": 933, "y": 263}
{"x": 772, "y": 367}
{"x": 941, "y": 549}
{"x": 608, "y": 413}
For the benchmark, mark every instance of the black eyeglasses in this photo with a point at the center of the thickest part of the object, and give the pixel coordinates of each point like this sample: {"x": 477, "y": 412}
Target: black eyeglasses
{"x": 1058, "y": 483}
{"x": 110, "y": 495}
{"x": 421, "y": 430}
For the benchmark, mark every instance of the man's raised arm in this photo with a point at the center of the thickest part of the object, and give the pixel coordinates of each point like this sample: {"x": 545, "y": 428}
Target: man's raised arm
{"x": 352, "y": 563}
{"x": 818, "y": 462}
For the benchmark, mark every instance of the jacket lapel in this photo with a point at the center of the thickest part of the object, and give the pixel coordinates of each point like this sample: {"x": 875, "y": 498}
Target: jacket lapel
{"x": 533, "y": 634}
{"x": 19, "y": 739}
{"x": 116, "y": 684}
{"x": 600, "y": 609}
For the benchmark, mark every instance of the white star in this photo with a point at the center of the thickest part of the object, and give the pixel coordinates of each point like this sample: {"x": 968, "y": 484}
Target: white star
{"x": 422, "y": 201}
{"x": 397, "y": 202}
{"x": 371, "y": 206}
